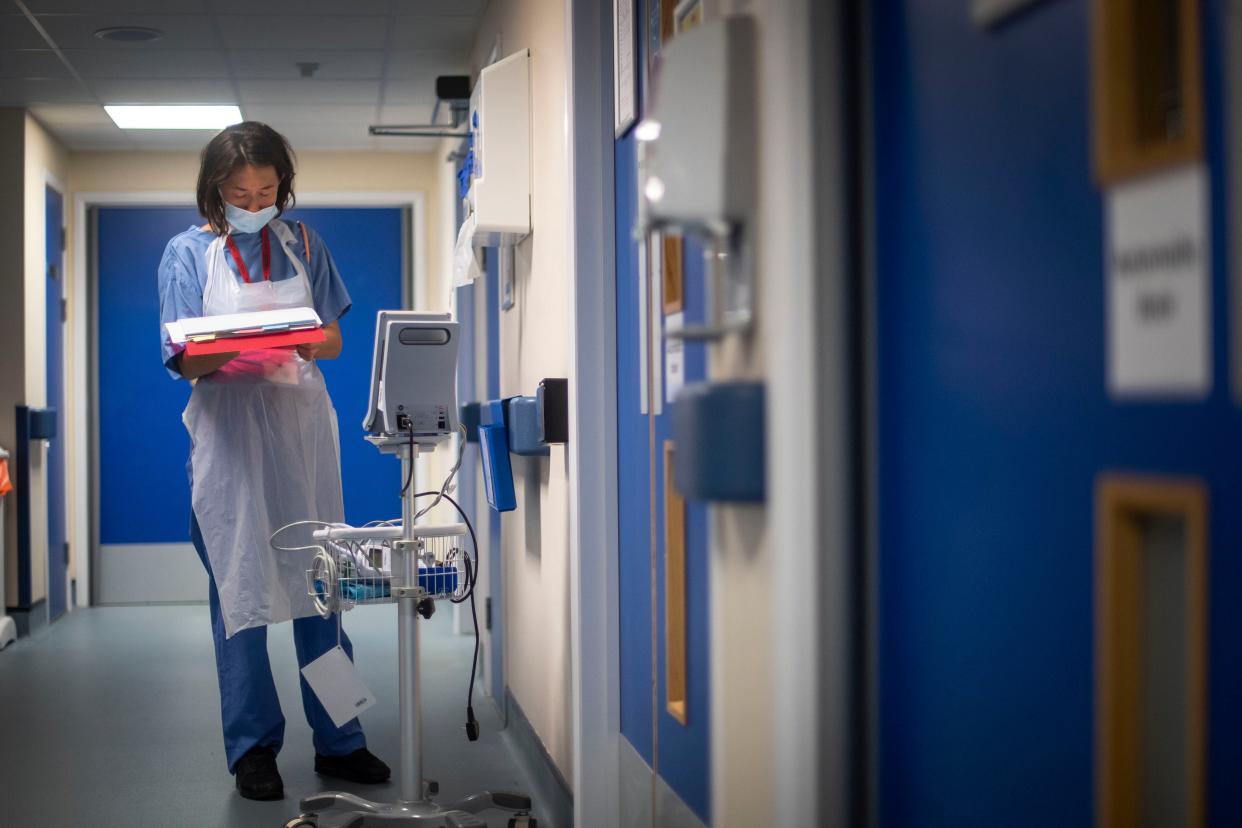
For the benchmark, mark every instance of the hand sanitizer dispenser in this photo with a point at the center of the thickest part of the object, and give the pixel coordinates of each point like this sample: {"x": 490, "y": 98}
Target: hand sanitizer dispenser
{"x": 499, "y": 193}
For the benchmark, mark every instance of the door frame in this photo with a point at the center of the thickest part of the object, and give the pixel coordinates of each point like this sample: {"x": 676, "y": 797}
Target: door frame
{"x": 593, "y": 546}
{"x": 85, "y": 478}
{"x": 1231, "y": 41}
{"x": 50, "y": 183}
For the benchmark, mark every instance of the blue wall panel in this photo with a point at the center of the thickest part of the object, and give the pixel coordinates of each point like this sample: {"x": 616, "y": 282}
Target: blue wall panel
{"x": 994, "y": 423}
{"x": 144, "y": 496}
{"x": 143, "y": 444}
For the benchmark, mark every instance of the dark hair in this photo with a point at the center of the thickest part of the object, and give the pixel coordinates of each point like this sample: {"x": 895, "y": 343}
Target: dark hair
{"x": 248, "y": 143}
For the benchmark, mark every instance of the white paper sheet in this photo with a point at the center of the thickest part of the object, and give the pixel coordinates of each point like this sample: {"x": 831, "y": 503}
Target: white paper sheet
{"x": 1159, "y": 257}
{"x": 336, "y": 684}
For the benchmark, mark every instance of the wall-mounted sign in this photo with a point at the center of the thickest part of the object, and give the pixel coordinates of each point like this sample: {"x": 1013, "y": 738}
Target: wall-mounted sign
{"x": 624, "y": 79}
{"x": 1159, "y": 291}
{"x": 674, "y": 358}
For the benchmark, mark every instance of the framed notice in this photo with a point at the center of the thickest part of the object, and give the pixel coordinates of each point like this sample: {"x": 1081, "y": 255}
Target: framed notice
{"x": 1146, "y": 77}
{"x": 625, "y": 105}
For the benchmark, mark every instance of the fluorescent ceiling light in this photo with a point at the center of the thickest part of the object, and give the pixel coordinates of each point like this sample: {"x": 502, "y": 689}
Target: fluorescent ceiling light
{"x": 177, "y": 116}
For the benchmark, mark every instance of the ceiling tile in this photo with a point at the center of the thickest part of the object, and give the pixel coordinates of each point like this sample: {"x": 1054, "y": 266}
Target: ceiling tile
{"x": 309, "y": 91}
{"x": 265, "y": 39}
{"x": 27, "y": 91}
{"x": 72, "y": 116}
{"x": 77, "y": 31}
{"x": 31, "y": 63}
{"x": 281, "y": 64}
{"x": 304, "y": 32}
{"x": 17, "y": 33}
{"x": 40, "y": 7}
{"x": 170, "y": 139}
{"x": 411, "y": 93}
{"x": 137, "y": 91}
{"x": 404, "y": 64}
{"x": 279, "y": 115}
{"x": 303, "y": 7}
{"x": 148, "y": 63}
{"x": 446, "y": 33}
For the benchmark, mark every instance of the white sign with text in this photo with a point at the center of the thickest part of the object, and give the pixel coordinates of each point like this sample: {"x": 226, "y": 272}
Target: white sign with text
{"x": 1157, "y": 251}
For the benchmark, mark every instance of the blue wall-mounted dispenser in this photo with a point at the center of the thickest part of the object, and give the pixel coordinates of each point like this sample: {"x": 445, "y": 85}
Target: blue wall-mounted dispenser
{"x": 719, "y": 432}
{"x": 524, "y": 428}
{"x": 494, "y": 450}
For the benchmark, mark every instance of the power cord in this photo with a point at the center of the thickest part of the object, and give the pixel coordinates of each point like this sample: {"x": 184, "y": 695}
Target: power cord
{"x": 472, "y": 572}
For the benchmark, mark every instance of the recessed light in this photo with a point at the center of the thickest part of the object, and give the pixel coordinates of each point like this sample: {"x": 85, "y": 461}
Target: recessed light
{"x": 129, "y": 34}
{"x": 174, "y": 116}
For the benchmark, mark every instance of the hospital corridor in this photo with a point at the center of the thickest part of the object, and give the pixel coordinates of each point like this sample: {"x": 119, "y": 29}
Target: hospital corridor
{"x": 620, "y": 413}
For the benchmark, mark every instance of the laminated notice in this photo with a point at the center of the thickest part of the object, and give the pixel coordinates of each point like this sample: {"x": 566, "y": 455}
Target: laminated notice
{"x": 336, "y": 684}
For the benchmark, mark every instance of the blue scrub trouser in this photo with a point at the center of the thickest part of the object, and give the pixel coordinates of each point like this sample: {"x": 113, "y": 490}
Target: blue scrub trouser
{"x": 249, "y": 706}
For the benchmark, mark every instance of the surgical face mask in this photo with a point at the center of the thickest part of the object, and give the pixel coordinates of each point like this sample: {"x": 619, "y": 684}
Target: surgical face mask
{"x": 244, "y": 221}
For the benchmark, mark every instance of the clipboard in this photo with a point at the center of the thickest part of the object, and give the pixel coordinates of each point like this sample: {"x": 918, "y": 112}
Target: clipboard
{"x": 224, "y": 345}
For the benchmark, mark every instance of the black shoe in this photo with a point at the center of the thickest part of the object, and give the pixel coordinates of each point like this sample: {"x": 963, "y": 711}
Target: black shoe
{"x": 360, "y": 766}
{"x": 257, "y": 777}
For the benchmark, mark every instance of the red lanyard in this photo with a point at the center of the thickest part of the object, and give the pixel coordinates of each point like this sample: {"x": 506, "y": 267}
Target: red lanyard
{"x": 267, "y": 256}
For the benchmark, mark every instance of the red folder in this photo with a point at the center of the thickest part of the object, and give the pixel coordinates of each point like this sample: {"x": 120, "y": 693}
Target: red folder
{"x": 225, "y": 345}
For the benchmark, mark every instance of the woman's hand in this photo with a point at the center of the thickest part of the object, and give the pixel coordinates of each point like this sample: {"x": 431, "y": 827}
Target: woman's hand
{"x": 329, "y": 348}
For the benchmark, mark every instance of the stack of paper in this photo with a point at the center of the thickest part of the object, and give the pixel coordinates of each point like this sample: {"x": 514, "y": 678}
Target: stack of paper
{"x": 246, "y": 331}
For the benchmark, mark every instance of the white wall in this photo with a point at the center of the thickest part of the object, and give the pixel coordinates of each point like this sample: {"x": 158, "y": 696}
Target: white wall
{"x": 45, "y": 161}
{"x": 769, "y": 706}
{"x": 535, "y": 340}
{"x": 12, "y": 312}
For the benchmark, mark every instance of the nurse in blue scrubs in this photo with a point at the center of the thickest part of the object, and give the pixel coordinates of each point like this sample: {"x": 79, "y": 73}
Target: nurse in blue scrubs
{"x": 265, "y": 449}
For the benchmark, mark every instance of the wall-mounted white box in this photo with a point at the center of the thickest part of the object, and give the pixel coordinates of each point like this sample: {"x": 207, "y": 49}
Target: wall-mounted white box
{"x": 499, "y": 193}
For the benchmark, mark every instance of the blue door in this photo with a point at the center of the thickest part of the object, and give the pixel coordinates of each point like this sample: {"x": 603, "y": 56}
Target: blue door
{"x": 57, "y": 542}
{"x": 684, "y": 752}
{"x": 143, "y": 445}
{"x": 995, "y": 421}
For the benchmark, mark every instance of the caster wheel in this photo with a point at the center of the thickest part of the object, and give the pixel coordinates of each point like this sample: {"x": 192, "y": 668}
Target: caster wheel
{"x": 303, "y": 821}
{"x": 523, "y": 821}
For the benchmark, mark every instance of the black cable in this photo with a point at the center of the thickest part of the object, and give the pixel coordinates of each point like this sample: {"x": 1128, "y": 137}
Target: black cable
{"x": 472, "y": 574}
{"x": 409, "y": 475}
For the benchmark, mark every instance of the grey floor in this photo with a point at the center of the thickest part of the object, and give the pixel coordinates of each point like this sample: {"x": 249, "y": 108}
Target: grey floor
{"x": 111, "y": 717}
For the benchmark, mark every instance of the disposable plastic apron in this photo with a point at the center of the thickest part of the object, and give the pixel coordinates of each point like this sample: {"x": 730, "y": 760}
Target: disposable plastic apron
{"x": 264, "y": 453}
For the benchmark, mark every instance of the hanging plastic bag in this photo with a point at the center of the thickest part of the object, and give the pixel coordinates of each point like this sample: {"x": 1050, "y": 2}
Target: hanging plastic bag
{"x": 467, "y": 259}
{"x": 6, "y": 485}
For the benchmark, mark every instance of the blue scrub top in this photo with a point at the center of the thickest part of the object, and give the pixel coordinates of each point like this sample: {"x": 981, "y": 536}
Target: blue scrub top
{"x": 183, "y": 276}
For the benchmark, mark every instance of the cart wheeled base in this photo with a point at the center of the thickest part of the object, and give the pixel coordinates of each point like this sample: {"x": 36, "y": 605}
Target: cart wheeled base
{"x": 415, "y": 805}
{"x": 346, "y": 810}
